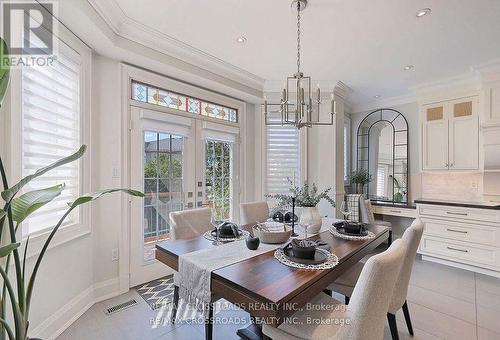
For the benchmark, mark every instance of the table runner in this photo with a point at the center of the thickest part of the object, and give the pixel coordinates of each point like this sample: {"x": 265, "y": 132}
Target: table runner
{"x": 195, "y": 269}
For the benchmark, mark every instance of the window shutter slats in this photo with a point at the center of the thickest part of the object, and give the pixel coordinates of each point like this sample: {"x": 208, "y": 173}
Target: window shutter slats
{"x": 51, "y": 131}
{"x": 283, "y": 157}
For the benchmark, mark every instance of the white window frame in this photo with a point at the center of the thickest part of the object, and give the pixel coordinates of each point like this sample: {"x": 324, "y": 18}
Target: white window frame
{"x": 347, "y": 147}
{"x": 14, "y": 154}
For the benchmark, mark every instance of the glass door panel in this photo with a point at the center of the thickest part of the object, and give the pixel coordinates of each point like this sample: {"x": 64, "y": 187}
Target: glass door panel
{"x": 219, "y": 177}
{"x": 163, "y": 159}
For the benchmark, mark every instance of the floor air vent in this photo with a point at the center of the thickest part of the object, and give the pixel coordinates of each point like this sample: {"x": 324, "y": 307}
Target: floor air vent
{"x": 120, "y": 307}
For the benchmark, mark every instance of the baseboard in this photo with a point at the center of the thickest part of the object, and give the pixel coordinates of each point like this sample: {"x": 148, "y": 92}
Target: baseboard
{"x": 58, "y": 322}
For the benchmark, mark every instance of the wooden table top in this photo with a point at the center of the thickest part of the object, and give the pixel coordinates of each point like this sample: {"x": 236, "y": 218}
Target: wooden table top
{"x": 263, "y": 278}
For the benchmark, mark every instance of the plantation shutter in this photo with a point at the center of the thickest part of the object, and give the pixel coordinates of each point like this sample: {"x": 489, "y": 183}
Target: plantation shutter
{"x": 51, "y": 130}
{"x": 283, "y": 157}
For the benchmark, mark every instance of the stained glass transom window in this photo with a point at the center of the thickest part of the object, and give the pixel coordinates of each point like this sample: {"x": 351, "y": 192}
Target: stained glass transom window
{"x": 148, "y": 94}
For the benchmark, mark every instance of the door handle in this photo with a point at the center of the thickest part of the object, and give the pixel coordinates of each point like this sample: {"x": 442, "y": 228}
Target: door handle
{"x": 456, "y": 249}
{"x": 457, "y": 231}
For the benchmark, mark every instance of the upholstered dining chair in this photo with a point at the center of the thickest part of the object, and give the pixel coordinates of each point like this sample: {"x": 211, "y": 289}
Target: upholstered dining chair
{"x": 185, "y": 225}
{"x": 253, "y": 212}
{"x": 346, "y": 283}
{"x": 362, "y": 319}
{"x": 366, "y": 216}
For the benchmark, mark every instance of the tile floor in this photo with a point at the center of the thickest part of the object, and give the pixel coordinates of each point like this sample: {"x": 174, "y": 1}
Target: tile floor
{"x": 445, "y": 303}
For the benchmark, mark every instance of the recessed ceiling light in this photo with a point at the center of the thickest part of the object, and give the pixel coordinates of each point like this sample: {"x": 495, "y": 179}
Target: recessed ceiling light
{"x": 376, "y": 96}
{"x": 423, "y": 12}
{"x": 409, "y": 67}
{"x": 241, "y": 39}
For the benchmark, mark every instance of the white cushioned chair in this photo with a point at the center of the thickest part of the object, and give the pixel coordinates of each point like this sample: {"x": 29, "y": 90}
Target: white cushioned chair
{"x": 365, "y": 314}
{"x": 345, "y": 284}
{"x": 185, "y": 225}
{"x": 253, "y": 212}
{"x": 366, "y": 216}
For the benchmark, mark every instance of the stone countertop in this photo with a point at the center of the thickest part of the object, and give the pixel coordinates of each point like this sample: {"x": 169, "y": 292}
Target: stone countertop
{"x": 394, "y": 204}
{"x": 478, "y": 205}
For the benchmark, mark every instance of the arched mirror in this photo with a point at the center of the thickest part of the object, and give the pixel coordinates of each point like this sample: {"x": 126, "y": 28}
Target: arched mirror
{"x": 382, "y": 150}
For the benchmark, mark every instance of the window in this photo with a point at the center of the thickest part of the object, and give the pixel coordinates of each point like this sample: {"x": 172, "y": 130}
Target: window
{"x": 283, "y": 157}
{"x": 153, "y": 95}
{"x": 347, "y": 149}
{"x": 381, "y": 175}
{"x": 51, "y": 130}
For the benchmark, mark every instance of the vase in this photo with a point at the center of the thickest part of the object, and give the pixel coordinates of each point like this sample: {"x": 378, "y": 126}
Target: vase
{"x": 311, "y": 217}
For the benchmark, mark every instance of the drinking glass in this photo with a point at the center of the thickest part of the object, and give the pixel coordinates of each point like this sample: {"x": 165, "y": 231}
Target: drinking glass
{"x": 216, "y": 222}
{"x": 345, "y": 209}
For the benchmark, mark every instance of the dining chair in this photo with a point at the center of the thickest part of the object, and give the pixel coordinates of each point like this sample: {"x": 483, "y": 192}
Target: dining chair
{"x": 346, "y": 283}
{"x": 367, "y": 216}
{"x": 253, "y": 212}
{"x": 363, "y": 319}
{"x": 185, "y": 225}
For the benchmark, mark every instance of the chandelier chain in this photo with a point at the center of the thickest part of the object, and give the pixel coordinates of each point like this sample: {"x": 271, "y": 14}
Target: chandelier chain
{"x": 298, "y": 36}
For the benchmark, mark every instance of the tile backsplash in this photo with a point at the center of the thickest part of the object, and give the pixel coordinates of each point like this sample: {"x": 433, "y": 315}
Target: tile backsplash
{"x": 456, "y": 186}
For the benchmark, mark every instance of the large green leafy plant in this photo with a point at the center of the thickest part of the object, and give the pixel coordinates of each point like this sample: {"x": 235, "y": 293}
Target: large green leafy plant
{"x": 17, "y": 289}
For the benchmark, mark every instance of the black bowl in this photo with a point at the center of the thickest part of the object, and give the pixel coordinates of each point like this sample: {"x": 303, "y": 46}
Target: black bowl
{"x": 228, "y": 229}
{"x": 303, "y": 249}
{"x": 354, "y": 228}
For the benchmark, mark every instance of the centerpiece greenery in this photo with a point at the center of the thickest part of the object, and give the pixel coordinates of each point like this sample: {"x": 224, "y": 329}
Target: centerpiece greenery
{"x": 17, "y": 290}
{"x": 360, "y": 178}
{"x": 305, "y": 196}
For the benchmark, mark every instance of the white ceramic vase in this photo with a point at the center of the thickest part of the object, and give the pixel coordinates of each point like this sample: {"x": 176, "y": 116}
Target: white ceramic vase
{"x": 311, "y": 216}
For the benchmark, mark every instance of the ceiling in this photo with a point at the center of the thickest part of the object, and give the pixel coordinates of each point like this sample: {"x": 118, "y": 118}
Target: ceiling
{"x": 363, "y": 43}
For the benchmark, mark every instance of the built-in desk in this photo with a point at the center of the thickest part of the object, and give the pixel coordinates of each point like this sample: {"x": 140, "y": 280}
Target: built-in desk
{"x": 408, "y": 210}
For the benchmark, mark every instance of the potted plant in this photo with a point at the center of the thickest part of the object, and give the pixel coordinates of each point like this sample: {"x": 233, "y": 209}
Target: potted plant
{"x": 307, "y": 198}
{"x": 17, "y": 289}
{"x": 359, "y": 179}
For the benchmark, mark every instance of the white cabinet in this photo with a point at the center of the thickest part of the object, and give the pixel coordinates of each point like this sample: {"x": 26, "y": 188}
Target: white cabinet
{"x": 463, "y": 237}
{"x": 450, "y": 135}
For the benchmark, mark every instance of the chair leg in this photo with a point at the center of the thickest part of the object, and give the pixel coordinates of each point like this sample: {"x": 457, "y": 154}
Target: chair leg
{"x": 209, "y": 322}
{"x": 327, "y": 292}
{"x": 347, "y": 299}
{"x": 393, "y": 326}
{"x": 175, "y": 304}
{"x": 389, "y": 241}
{"x": 406, "y": 312}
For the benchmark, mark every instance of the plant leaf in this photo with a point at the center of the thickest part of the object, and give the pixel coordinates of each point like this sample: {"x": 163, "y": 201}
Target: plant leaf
{"x": 4, "y": 70}
{"x": 95, "y": 195}
{"x": 6, "y": 250}
{"x": 27, "y": 203}
{"x": 2, "y": 213}
{"x": 8, "y": 194}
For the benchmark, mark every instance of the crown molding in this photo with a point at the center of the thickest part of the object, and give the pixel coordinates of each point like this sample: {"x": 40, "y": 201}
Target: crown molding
{"x": 384, "y": 103}
{"x": 127, "y": 28}
{"x": 466, "y": 84}
{"x": 488, "y": 72}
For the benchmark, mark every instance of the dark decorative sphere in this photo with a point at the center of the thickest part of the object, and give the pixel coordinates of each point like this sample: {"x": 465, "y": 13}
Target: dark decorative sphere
{"x": 252, "y": 243}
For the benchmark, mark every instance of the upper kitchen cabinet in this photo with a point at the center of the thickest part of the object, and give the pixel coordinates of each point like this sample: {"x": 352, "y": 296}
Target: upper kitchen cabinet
{"x": 450, "y": 135}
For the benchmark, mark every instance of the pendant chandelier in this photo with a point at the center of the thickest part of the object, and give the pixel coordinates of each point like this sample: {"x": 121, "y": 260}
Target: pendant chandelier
{"x": 297, "y": 107}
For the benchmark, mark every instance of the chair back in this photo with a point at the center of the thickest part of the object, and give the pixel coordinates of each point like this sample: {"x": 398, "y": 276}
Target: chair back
{"x": 372, "y": 294}
{"x": 412, "y": 237}
{"x": 365, "y": 211}
{"x": 253, "y": 212}
{"x": 189, "y": 224}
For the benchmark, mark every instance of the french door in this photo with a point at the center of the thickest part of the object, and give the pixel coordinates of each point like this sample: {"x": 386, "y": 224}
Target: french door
{"x": 180, "y": 163}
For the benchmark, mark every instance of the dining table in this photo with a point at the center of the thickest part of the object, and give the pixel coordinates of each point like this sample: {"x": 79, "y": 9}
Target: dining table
{"x": 264, "y": 287}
